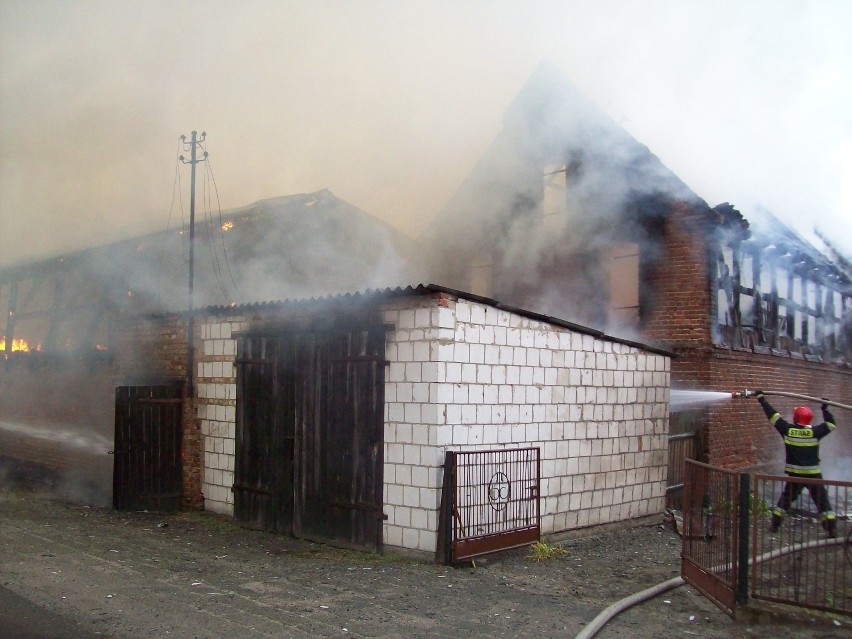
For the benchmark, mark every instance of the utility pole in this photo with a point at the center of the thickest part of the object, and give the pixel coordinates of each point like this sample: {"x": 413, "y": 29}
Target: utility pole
{"x": 192, "y": 147}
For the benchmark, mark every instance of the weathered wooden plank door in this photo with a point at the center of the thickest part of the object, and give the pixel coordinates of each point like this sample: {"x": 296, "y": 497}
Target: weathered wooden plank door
{"x": 310, "y": 420}
{"x": 263, "y": 479}
{"x": 147, "y": 470}
{"x": 341, "y": 437}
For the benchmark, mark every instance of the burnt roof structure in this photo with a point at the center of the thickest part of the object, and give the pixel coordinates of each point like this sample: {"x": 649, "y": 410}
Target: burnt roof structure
{"x": 293, "y": 246}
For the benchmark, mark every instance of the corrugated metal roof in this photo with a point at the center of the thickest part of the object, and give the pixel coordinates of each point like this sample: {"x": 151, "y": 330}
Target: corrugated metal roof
{"x": 375, "y": 295}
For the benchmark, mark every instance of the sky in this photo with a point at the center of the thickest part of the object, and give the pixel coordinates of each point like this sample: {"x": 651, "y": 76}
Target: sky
{"x": 389, "y": 103}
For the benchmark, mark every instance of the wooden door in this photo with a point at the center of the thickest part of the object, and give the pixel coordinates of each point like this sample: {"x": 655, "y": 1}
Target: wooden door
{"x": 310, "y": 420}
{"x": 341, "y": 438}
{"x": 147, "y": 470}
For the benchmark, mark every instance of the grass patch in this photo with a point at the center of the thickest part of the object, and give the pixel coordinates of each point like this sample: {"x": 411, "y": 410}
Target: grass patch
{"x": 541, "y": 551}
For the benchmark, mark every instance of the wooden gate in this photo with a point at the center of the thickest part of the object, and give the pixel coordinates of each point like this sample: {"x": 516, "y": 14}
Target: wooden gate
{"x": 310, "y": 420}
{"x": 147, "y": 470}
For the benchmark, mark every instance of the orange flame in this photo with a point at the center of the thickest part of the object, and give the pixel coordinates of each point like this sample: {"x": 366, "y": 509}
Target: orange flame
{"x": 227, "y": 226}
{"x": 17, "y": 345}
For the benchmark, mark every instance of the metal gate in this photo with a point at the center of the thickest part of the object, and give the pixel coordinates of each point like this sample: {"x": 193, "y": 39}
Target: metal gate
{"x": 727, "y": 540}
{"x": 310, "y": 422}
{"x": 714, "y": 555}
{"x": 147, "y": 470}
{"x": 800, "y": 564}
{"x": 490, "y": 501}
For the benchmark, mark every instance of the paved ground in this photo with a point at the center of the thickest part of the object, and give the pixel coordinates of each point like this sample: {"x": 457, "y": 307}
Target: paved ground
{"x": 195, "y": 575}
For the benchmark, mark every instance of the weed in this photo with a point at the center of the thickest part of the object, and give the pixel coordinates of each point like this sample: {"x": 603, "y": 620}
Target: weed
{"x": 759, "y": 506}
{"x": 540, "y": 551}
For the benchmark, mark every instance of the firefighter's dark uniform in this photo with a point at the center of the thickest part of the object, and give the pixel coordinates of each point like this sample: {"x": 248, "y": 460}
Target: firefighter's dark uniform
{"x": 801, "y": 444}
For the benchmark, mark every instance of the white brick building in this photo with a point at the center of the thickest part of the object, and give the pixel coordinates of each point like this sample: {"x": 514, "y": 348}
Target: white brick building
{"x": 463, "y": 374}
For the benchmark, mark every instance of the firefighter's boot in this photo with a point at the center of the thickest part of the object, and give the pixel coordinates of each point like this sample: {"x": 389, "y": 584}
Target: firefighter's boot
{"x": 830, "y": 526}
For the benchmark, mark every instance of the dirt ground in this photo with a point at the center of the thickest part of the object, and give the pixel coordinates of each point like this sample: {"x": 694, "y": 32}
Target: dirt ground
{"x": 196, "y": 575}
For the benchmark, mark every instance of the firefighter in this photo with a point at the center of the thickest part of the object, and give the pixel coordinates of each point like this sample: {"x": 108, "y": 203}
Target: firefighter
{"x": 801, "y": 444}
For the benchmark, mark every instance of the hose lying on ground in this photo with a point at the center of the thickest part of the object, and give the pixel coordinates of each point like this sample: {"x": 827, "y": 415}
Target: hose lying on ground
{"x": 649, "y": 593}
{"x": 620, "y": 606}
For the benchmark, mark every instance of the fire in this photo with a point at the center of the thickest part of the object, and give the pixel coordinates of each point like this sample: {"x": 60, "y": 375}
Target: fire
{"x": 17, "y": 345}
{"x": 227, "y": 226}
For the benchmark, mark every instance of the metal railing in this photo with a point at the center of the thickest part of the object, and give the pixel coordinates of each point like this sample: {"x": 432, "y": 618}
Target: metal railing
{"x": 800, "y": 564}
{"x": 681, "y": 447}
{"x": 715, "y": 535}
{"x": 732, "y": 551}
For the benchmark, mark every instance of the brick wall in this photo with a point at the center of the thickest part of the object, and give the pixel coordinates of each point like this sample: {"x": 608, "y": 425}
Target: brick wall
{"x": 679, "y": 303}
{"x": 152, "y": 349}
{"x": 736, "y": 434}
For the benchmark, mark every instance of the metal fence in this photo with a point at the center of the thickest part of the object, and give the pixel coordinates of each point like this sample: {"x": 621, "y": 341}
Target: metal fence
{"x": 799, "y": 564}
{"x": 681, "y": 447}
{"x": 715, "y": 536}
{"x": 490, "y": 501}
{"x": 731, "y": 551}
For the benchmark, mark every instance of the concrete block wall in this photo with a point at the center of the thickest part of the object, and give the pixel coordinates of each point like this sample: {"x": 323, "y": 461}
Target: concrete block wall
{"x": 465, "y": 375}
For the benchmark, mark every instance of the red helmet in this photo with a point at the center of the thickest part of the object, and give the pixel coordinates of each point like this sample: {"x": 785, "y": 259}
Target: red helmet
{"x": 802, "y": 416}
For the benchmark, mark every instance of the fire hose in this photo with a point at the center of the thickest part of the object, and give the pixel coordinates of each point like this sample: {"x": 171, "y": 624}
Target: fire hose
{"x": 649, "y": 593}
{"x": 620, "y": 606}
{"x": 817, "y": 400}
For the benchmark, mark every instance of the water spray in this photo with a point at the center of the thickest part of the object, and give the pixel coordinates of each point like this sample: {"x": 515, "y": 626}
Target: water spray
{"x": 816, "y": 400}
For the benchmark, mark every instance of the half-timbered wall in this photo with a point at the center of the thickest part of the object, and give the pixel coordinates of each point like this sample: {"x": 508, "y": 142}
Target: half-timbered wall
{"x": 770, "y": 299}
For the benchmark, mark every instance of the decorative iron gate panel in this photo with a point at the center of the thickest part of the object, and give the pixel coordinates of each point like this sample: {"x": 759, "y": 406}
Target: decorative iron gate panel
{"x": 147, "y": 471}
{"x": 490, "y": 501}
{"x": 310, "y": 420}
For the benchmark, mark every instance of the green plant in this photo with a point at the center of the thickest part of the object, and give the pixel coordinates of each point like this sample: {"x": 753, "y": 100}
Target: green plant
{"x": 540, "y": 551}
{"x": 758, "y": 506}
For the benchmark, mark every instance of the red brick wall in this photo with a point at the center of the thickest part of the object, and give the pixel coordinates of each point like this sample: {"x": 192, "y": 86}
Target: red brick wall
{"x": 739, "y": 434}
{"x": 678, "y": 306}
{"x": 736, "y": 432}
{"x": 152, "y": 349}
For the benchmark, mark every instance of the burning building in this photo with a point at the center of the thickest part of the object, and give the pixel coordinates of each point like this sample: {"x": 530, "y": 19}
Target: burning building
{"x": 78, "y": 326}
{"x": 566, "y": 213}
{"x": 580, "y": 280}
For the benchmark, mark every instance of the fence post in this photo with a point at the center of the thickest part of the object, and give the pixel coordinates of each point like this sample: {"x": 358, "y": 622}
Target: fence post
{"x": 744, "y": 516}
{"x": 449, "y": 505}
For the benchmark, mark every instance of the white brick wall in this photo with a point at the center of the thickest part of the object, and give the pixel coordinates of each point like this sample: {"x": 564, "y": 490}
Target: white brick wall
{"x": 464, "y": 375}
{"x": 216, "y": 385}
{"x": 597, "y": 409}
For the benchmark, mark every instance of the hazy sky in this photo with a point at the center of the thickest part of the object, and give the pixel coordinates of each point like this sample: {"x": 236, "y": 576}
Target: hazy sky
{"x": 389, "y": 103}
